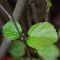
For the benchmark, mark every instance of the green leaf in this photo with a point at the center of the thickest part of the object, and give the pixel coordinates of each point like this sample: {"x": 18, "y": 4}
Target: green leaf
{"x": 42, "y": 36}
{"x": 41, "y": 33}
{"x": 17, "y": 49}
{"x": 36, "y": 42}
{"x": 50, "y": 59}
{"x": 44, "y": 29}
{"x": 10, "y": 32}
{"x": 48, "y": 52}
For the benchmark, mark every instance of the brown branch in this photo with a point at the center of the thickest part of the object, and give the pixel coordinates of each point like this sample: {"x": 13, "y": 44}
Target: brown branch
{"x": 19, "y": 9}
{"x": 38, "y": 10}
{"x": 28, "y": 52}
{"x": 29, "y": 17}
{"x": 4, "y": 47}
{"x": 34, "y": 12}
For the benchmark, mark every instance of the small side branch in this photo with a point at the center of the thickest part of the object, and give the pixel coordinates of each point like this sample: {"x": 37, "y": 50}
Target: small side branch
{"x": 4, "y": 12}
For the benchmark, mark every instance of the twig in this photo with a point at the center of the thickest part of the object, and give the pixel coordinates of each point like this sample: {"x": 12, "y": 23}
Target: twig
{"x": 47, "y": 12}
{"x": 6, "y": 5}
{"x": 4, "y": 12}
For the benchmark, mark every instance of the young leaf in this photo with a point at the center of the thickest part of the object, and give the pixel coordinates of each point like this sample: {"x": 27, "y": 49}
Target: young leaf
{"x": 41, "y": 37}
{"x": 50, "y": 59}
{"x": 17, "y": 49}
{"x": 41, "y": 33}
{"x": 37, "y": 42}
{"x": 49, "y": 51}
{"x": 10, "y": 32}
